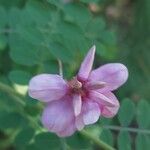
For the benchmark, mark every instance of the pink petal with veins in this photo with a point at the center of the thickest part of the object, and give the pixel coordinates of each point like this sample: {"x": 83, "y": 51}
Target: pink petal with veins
{"x": 91, "y": 112}
{"x": 94, "y": 85}
{"x": 77, "y": 103}
{"x": 58, "y": 117}
{"x": 101, "y": 99}
{"x": 107, "y": 111}
{"x": 79, "y": 122}
{"x": 47, "y": 87}
{"x": 113, "y": 74}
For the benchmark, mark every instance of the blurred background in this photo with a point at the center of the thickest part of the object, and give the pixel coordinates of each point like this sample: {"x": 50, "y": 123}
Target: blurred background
{"x": 34, "y": 34}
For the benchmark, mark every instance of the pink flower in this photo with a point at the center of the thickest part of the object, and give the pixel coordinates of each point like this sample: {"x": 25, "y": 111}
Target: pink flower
{"x": 73, "y": 104}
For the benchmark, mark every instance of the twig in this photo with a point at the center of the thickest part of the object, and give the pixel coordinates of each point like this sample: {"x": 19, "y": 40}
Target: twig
{"x": 118, "y": 128}
{"x": 60, "y": 67}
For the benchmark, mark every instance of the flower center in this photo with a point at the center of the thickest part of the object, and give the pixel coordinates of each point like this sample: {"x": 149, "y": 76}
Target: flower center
{"x": 77, "y": 87}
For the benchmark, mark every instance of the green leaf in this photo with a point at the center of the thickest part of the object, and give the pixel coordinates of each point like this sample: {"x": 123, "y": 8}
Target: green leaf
{"x": 72, "y": 37}
{"x": 124, "y": 141}
{"x": 19, "y": 77}
{"x": 3, "y": 18}
{"x": 126, "y": 112}
{"x": 89, "y": 1}
{"x": 95, "y": 27}
{"x": 109, "y": 37}
{"x": 143, "y": 113}
{"x": 142, "y": 142}
{"x": 47, "y": 141}
{"x": 76, "y": 141}
{"x": 3, "y": 42}
{"x": 24, "y": 137}
{"x": 77, "y": 14}
{"x": 3, "y": 23}
{"x": 11, "y": 120}
{"x": 23, "y": 52}
{"x": 27, "y": 46}
{"x": 107, "y": 137}
{"x": 105, "y": 121}
{"x": 60, "y": 52}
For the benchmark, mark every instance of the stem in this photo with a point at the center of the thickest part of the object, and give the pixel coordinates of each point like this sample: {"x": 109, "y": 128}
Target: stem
{"x": 136, "y": 130}
{"x": 96, "y": 141}
{"x": 60, "y": 68}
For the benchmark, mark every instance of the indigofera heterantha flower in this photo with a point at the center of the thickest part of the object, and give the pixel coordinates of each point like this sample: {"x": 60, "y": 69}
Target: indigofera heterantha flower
{"x": 70, "y": 105}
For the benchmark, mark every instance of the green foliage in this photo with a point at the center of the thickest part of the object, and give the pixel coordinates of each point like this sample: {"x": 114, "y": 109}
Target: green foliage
{"x": 34, "y": 34}
{"x": 78, "y": 142}
{"x": 143, "y": 113}
{"x": 107, "y": 137}
{"x": 46, "y": 141}
{"x": 11, "y": 120}
{"x": 124, "y": 141}
{"x": 24, "y": 137}
{"x": 126, "y": 112}
{"x": 19, "y": 77}
{"x": 142, "y": 142}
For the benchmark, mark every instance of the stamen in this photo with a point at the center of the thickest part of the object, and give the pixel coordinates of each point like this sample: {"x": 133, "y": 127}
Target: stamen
{"x": 75, "y": 84}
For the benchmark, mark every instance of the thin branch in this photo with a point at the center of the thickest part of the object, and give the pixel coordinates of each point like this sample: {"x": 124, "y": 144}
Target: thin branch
{"x": 60, "y": 67}
{"x": 118, "y": 128}
{"x": 96, "y": 141}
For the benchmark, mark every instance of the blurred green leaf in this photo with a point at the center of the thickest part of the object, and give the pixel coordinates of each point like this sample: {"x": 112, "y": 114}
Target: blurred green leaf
{"x": 3, "y": 18}
{"x": 3, "y": 41}
{"x": 76, "y": 141}
{"x": 19, "y": 77}
{"x": 24, "y": 137}
{"x": 3, "y": 23}
{"x": 124, "y": 141}
{"x": 142, "y": 142}
{"x": 143, "y": 113}
{"x": 107, "y": 137}
{"x": 22, "y": 52}
{"x": 11, "y": 120}
{"x": 47, "y": 141}
{"x": 77, "y": 13}
{"x": 105, "y": 121}
{"x": 95, "y": 27}
{"x": 90, "y": 1}
{"x": 59, "y": 52}
{"x": 126, "y": 112}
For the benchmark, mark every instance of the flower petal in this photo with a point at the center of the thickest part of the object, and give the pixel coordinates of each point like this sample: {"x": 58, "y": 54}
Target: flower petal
{"x": 114, "y": 74}
{"x": 79, "y": 122}
{"x": 91, "y": 112}
{"x": 47, "y": 87}
{"x": 68, "y": 131}
{"x": 107, "y": 111}
{"x": 58, "y": 116}
{"x": 86, "y": 65}
{"x": 101, "y": 99}
{"x": 94, "y": 85}
{"x": 77, "y": 103}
